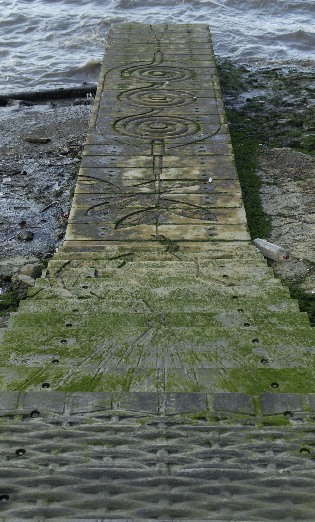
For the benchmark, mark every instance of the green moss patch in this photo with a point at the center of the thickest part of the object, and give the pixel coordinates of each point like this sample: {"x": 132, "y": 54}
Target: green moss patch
{"x": 268, "y": 107}
{"x": 9, "y": 302}
{"x": 254, "y": 382}
{"x": 306, "y": 302}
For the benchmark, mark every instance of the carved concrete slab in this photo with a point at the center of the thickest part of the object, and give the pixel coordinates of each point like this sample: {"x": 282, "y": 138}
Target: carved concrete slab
{"x": 159, "y": 370}
{"x": 161, "y": 113}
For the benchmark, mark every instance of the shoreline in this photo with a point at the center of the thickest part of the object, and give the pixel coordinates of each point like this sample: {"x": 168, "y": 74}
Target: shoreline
{"x": 41, "y": 145}
{"x": 271, "y": 117}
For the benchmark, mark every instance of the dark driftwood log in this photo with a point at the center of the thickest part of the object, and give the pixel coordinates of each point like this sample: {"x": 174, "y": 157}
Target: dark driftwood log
{"x": 48, "y": 94}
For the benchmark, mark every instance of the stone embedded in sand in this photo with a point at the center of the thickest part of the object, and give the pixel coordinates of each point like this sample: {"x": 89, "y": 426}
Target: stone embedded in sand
{"x": 25, "y": 235}
{"x": 36, "y": 139}
{"x": 33, "y": 270}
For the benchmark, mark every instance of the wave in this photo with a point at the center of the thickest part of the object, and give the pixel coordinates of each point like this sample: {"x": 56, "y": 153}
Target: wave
{"x": 48, "y": 42}
{"x": 88, "y": 71}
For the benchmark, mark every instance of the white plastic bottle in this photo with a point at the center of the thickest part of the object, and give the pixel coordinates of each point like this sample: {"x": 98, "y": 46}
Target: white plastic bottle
{"x": 270, "y": 250}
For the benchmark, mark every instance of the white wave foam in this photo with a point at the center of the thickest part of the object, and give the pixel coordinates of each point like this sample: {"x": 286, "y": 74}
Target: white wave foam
{"x": 49, "y": 42}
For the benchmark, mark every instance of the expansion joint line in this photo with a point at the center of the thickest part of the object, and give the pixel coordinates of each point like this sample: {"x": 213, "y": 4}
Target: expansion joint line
{"x": 157, "y": 165}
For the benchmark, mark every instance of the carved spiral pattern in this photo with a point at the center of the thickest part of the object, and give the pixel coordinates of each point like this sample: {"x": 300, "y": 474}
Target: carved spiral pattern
{"x": 156, "y": 127}
{"x": 157, "y": 98}
{"x": 157, "y": 73}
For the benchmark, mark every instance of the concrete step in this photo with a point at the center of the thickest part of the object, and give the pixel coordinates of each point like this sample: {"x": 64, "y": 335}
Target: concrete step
{"x": 212, "y": 303}
{"x": 135, "y": 379}
{"x": 134, "y": 341}
{"x": 162, "y": 248}
{"x": 126, "y": 262}
{"x": 171, "y": 288}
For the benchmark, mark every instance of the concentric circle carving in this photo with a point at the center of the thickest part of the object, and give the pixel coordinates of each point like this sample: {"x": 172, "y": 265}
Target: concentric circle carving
{"x": 157, "y": 73}
{"x": 156, "y": 127}
{"x": 157, "y": 98}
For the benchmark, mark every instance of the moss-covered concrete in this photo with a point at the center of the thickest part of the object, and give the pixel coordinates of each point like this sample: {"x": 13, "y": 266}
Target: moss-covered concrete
{"x": 157, "y": 286}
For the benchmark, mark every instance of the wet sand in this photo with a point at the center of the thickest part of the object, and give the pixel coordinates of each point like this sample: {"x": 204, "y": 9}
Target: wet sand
{"x": 40, "y": 147}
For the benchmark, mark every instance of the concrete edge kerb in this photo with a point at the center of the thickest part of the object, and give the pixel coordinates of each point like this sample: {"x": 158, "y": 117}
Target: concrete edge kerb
{"x": 42, "y": 404}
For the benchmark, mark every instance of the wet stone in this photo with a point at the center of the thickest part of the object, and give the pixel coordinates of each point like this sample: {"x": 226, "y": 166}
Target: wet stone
{"x": 234, "y": 403}
{"x": 136, "y": 402}
{"x": 25, "y": 235}
{"x": 9, "y": 401}
{"x": 90, "y": 402}
{"x": 311, "y": 400}
{"x": 275, "y": 403}
{"x": 44, "y": 403}
{"x": 32, "y": 270}
{"x": 177, "y": 403}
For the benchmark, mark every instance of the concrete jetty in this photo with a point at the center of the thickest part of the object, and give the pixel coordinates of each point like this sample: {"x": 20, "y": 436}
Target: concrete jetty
{"x": 159, "y": 370}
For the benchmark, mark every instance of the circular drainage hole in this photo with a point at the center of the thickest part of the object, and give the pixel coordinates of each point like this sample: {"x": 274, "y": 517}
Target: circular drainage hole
{"x": 264, "y": 361}
{"x": 63, "y": 341}
{"x": 55, "y": 361}
{"x": 35, "y": 414}
{"x": 46, "y": 385}
{"x": 288, "y": 414}
{"x": 305, "y": 451}
{"x": 274, "y": 385}
{"x": 69, "y": 325}
{"x": 255, "y": 341}
{"x": 20, "y": 452}
{"x": 4, "y": 498}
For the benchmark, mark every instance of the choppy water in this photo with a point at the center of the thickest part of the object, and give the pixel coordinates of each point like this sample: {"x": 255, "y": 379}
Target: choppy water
{"x": 49, "y": 43}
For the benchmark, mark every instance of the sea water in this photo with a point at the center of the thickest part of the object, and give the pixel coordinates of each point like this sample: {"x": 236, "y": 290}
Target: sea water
{"x": 55, "y": 43}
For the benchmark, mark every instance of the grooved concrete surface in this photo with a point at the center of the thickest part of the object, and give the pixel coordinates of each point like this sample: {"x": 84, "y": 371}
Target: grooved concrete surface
{"x": 159, "y": 370}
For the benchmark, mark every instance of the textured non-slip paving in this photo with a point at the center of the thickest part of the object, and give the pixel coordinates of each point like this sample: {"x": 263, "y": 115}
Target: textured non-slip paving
{"x": 159, "y": 370}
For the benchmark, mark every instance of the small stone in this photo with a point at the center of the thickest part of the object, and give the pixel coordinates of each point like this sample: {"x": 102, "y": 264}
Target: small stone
{"x": 18, "y": 104}
{"x": 21, "y": 279}
{"x": 25, "y": 235}
{"x": 33, "y": 270}
{"x": 13, "y": 103}
{"x": 21, "y": 284}
{"x": 81, "y": 101}
{"x": 36, "y": 139}
{"x": 11, "y": 265}
{"x": 47, "y": 255}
